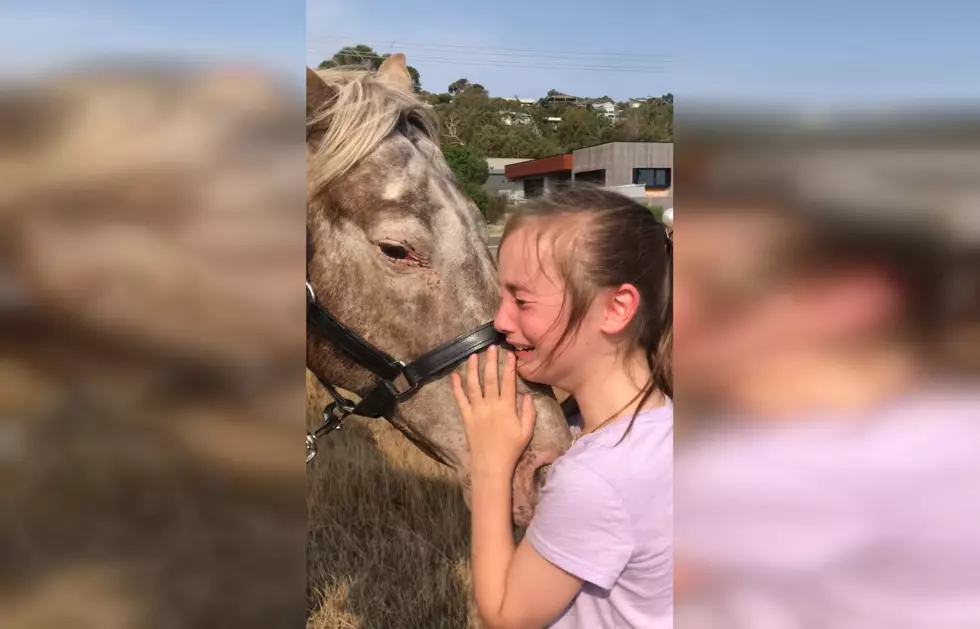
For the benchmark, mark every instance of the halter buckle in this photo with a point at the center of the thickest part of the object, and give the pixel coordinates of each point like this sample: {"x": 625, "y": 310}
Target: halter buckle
{"x": 413, "y": 384}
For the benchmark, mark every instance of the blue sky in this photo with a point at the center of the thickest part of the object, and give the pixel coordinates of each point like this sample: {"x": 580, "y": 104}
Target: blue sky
{"x": 37, "y": 36}
{"x": 721, "y": 49}
{"x": 825, "y": 52}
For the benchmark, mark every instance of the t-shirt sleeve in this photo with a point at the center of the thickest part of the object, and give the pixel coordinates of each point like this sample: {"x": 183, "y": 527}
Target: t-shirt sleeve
{"x": 582, "y": 526}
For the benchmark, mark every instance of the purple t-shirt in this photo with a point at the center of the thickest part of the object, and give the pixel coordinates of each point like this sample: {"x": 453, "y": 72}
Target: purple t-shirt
{"x": 862, "y": 520}
{"x": 606, "y": 516}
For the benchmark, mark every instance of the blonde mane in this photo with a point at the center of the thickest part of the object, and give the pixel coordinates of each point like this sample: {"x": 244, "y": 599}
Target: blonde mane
{"x": 363, "y": 110}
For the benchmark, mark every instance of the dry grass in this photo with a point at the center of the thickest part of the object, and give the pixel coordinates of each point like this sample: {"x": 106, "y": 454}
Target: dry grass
{"x": 388, "y": 539}
{"x": 114, "y": 515}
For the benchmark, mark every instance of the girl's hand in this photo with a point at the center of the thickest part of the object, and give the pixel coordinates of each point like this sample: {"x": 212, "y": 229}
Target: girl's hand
{"x": 496, "y": 435}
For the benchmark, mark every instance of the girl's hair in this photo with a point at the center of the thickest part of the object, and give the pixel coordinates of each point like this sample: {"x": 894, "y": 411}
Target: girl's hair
{"x": 600, "y": 240}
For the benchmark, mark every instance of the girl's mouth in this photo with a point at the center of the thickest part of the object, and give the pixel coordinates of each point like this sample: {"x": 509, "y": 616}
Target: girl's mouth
{"x": 522, "y": 351}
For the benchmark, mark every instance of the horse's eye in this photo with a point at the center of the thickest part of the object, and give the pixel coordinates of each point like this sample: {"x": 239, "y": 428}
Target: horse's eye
{"x": 394, "y": 251}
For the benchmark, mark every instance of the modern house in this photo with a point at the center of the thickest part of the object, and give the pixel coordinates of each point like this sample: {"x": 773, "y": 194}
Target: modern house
{"x": 629, "y": 166}
{"x": 497, "y": 182}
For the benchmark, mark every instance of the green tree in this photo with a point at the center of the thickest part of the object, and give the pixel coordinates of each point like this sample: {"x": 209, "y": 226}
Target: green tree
{"x": 471, "y": 171}
{"x": 578, "y": 128}
{"x": 365, "y": 56}
{"x": 457, "y": 86}
{"x": 359, "y": 55}
{"x": 467, "y": 164}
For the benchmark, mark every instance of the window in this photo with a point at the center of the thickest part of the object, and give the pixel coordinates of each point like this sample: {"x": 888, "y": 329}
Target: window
{"x": 533, "y": 187}
{"x": 596, "y": 177}
{"x": 652, "y": 177}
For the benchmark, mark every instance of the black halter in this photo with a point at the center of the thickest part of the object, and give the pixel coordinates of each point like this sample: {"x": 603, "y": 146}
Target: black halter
{"x": 381, "y": 400}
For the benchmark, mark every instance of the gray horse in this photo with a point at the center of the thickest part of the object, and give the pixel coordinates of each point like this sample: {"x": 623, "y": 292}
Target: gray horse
{"x": 399, "y": 254}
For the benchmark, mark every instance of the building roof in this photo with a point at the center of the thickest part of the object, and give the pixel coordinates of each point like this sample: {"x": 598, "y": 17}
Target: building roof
{"x": 543, "y": 166}
{"x": 554, "y": 163}
{"x": 498, "y": 164}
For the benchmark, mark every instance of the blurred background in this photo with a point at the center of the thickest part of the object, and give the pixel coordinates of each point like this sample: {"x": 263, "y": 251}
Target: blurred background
{"x": 827, "y": 315}
{"x": 827, "y": 354}
{"x": 152, "y": 377}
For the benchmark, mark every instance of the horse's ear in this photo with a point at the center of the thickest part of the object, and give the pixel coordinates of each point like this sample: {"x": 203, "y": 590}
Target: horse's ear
{"x": 395, "y": 69}
{"x": 317, "y": 92}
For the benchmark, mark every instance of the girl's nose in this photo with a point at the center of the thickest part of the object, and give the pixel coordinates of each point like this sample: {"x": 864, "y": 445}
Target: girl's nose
{"x": 504, "y": 322}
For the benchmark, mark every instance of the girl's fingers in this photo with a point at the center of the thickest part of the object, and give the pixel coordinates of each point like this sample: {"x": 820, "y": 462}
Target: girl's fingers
{"x": 460, "y": 395}
{"x": 491, "y": 382}
{"x": 508, "y": 388}
{"x": 473, "y": 379}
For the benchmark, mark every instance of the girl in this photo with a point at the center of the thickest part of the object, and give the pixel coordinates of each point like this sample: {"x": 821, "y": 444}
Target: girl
{"x": 586, "y": 285}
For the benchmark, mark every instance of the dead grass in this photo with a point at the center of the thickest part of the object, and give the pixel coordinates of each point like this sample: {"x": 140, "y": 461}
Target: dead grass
{"x": 388, "y": 538}
{"x": 109, "y": 518}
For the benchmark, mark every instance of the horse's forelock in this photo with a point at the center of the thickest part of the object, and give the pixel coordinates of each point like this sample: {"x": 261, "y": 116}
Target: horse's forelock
{"x": 364, "y": 110}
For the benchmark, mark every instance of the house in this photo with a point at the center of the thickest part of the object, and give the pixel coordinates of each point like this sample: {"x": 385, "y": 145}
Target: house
{"x": 497, "y": 182}
{"x": 557, "y": 98}
{"x": 614, "y": 164}
{"x": 637, "y": 102}
{"x": 606, "y": 108}
{"x": 510, "y": 118}
{"x": 540, "y": 176}
{"x": 524, "y": 102}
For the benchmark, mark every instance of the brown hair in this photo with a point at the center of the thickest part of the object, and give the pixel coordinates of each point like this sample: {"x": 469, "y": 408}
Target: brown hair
{"x": 601, "y": 239}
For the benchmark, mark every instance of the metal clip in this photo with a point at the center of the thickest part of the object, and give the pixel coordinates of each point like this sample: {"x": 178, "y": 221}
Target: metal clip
{"x": 333, "y": 418}
{"x": 310, "y": 447}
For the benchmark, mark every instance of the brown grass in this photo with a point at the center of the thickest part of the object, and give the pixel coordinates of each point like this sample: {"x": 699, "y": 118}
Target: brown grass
{"x": 121, "y": 515}
{"x": 388, "y": 538}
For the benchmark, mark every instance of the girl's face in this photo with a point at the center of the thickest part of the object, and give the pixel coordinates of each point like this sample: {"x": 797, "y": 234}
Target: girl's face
{"x": 531, "y": 313}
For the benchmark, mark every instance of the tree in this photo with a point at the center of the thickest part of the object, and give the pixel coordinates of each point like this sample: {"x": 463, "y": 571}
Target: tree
{"x": 457, "y": 86}
{"x": 366, "y": 57}
{"x": 359, "y": 55}
{"x": 467, "y": 164}
{"x": 578, "y": 128}
{"x": 471, "y": 171}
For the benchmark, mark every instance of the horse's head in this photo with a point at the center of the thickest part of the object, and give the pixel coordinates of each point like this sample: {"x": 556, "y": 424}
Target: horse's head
{"x": 398, "y": 254}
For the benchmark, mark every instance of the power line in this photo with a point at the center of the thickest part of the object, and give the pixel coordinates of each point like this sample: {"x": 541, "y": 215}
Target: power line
{"x": 559, "y": 52}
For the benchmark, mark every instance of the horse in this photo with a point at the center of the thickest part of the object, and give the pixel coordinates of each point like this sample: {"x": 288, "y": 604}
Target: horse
{"x": 397, "y": 255}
